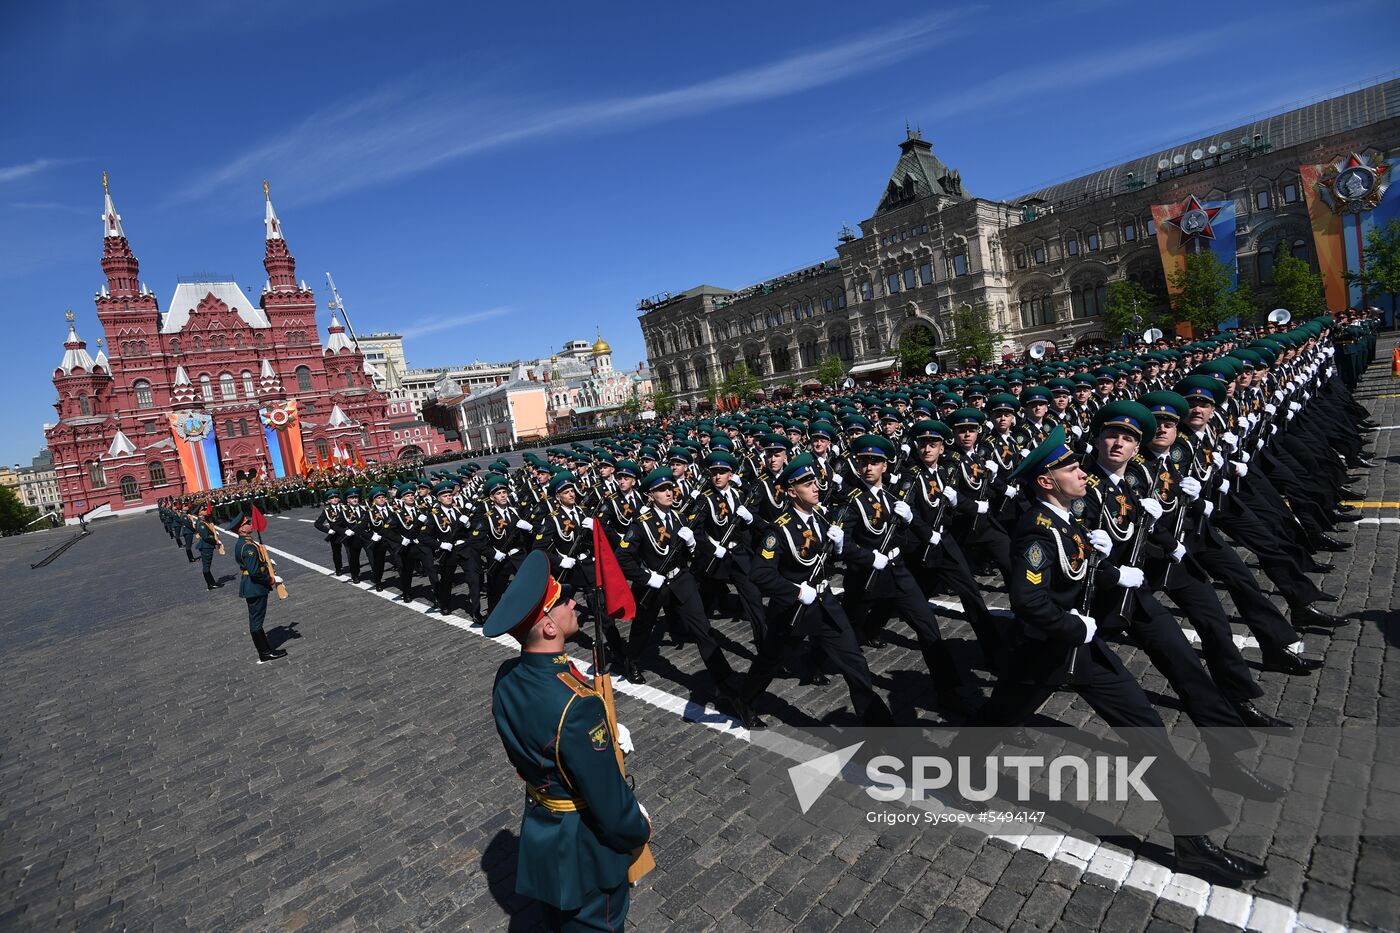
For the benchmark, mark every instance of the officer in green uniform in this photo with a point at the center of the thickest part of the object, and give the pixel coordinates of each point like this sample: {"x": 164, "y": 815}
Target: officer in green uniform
{"x": 582, "y": 823}
{"x": 256, "y": 580}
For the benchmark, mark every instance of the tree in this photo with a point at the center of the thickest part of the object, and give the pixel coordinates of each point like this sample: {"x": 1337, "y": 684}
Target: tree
{"x": 741, "y": 382}
{"x": 915, "y": 351}
{"x": 1203, "y": 289}
{"x": 1241, "y": 304}
{"x": 663, "y": 400}
{"x": 972, "y": 334}
{"x": 1297, "y": 287}
{"x": 831, "y": 371}
{"x": 1131, "y": 309}
{"x": 15, "y": 516}
{"x": 1382, "y": 275}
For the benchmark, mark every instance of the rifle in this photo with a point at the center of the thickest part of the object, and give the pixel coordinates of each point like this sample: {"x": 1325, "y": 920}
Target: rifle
{"x": 898, "y": 495}
{"x": 1139, "y": 538}
{"x": 937, "y": 522}
{"x": 1090, "y": 573}
{"x": 668, "y": 569}
{"x": 819, "y": 565}
{"x": 268, "y": 567}
{"x": 215, "y": 532}
{"x": 733, "y": 526}
{"x": 982, "y": 494}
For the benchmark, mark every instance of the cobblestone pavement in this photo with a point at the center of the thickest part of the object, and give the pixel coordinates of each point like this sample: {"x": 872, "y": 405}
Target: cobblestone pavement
{"x": 153, "y": 776}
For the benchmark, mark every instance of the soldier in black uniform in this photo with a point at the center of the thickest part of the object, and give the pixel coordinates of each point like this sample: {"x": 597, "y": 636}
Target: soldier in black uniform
{"x": 620, "y": 510}
{"x": 1058, "y": 645}
{"x": 354, "y": 520}
{"x": 721, "y": 522}
{"x": 769, "y": 501}
{"x": 974, "y": 473}
{"x": 379, "y": 521}
{"x": 793, "y": 568}
{"x": 501, "y": 537}
{"x": 331, "y": 524}
{"x": 442, "y": 535}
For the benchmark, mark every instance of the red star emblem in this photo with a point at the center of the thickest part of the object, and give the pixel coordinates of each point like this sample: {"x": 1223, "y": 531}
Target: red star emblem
{"x": 1194, "y": 220}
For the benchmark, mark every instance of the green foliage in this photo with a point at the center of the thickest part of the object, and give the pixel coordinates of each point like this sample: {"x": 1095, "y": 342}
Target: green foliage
{"x": 15, "y": 516}
{"x": 1203, "y": 290}
{"x": 915, "y": 351}
{"x": 1382, "y": 275}
{"x": 1297, "y": 287}
{"x": 741, "y": 382}
{"x": 1242, "y": 304}
{"x": 1127, "y": 301}
{"x": 663, "y": 400}
{"x": 831, "y": 371}
{"x": 972, "y": 334}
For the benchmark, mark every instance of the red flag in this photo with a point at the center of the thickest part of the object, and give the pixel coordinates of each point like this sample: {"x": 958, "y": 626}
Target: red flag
{"x": 617, "y": 594}
{"x": 259, "y": 520}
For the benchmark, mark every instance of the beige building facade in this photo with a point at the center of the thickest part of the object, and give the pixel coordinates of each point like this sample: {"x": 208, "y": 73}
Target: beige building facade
{"x": 1039, "y": 264}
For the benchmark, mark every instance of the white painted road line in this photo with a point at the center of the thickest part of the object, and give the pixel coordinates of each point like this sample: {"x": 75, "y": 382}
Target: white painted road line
{"x": 1379, "y": 521}
{"x": 1098, "y": 858}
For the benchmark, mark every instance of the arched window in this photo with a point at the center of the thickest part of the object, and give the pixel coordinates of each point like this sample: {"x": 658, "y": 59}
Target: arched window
{"x": 1264, "y": 263}
{"x": 248, "y": 390}
{"x": 195, "y": 338}
{"x": 84, "y": 404}
{"x": 243, "y": 426}
{"x": 349, "y": 380}
{"x": 1088, "y": 299}
{"x": 96, "y": 475}
{"x": 228, "y": 427}
{"x": 1037, "y": 310}
{"x": 226, "y": 387}
{"x": 206, "y": 388}
{"x": 156, "y": 471}
{"x": 304, "y": 378}
{"x": 130, "y": 492}
{"x": 323, "y": 450}
{"x": 174, "y": 344}
{"x": 144, "y": 399}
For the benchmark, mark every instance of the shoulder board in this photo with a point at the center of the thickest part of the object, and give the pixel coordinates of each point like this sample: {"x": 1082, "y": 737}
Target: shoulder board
{"x": 1093, "y": 480}
{"x": 1138, "y": 458}
{"x": 783, "y": 519}
{"x": 854, "y": 493}
{"x": 646, "y": 512}
{"x": 573, "y": 683}
{"x": 1043, "y": 520}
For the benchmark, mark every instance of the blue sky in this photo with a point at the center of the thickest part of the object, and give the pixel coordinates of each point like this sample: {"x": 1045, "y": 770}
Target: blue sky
{"x": 494, "y": 179}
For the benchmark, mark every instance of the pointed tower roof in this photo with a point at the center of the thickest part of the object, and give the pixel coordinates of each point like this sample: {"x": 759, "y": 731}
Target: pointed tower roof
{"x": 919, "y": 174}
{"x": 111, "y": 220}
{"x": 101, "y": 362}
{"x": 337, "y": 340}
{"x": 338, "y": 418}
{"x": 267, "y": 372}
{"x": 270, "y": 221}
{"x": 75, "y": 354}
{"x": 121, "y": 446}
{"x": 182, "y": 378}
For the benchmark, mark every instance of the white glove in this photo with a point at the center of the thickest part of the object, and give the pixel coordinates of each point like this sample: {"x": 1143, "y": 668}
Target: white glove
{"x": 903, "y": 511}
{"x": 1271, "y": 409}
{"x": 1240, "y": 468}
{"x": 276, "y": 579}
{"x": 1078, "y": 432}
{"x": 512, "y": 552}
{"x": 465, "y": 520}
{"x": 881, "y": 561}
{"x": 1101, "y": 542}
{"x": 405, "y": 542}
{"x": 1129, "y": 578}
{"x": 1191, "y": 486}
{"x": 1232, "y": 439}
{"x": 587, "y": 523}
{"x": 951, "y": 495}
{"x": 1224, "y": 487}
{"x": 1278, "y": 395}
{"x": 836, "y": 536}
{"x": 838, "y": 479}
{"x": 1294, "y": 407}
{"x": 904, "y": 448}
{"x": 935, "y": 538}
{"x": 498, "y": 555}
{"x": 655, "y": 580}
{"x": 686, "y": 535}
{"x": 1011, "y": 491}
{"x": 745, "y": 514}
{"x": 737, "y": 481}
{"x": 1244, "y": 456}
{"x": 1250, "y": 420}
{"x": 524, "y": 525}
{"x": 422, "y": 516}
{"x": 349, "y": 532}
{"x": 893, "y": 479}
{"x": 806, "y": 594}
{"x": 1025, "y": 451}
{"x": 374, "y": 537}
{"x": 1152, "y": 507}
{"x": 720, "y": 551}
{"x": 1209, "y": 508}
{"x": 982, "y": 507}
{"x": 1218, "y": 458}
{"x": 1090, "y": 625}
{"x": 1179, "y": 554}
{"x": 695, "y": 493}
{"x": 446, "y": 546}
{"x": 624, "y": 742}
{"x": 992, "y": 468}
{"x": 567, "y": 563}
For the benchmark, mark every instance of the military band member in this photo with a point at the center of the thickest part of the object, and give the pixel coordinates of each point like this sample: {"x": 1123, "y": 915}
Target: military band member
{"x": 256, "y": 580}
{"x": 331, "y": 523}
{"x": 582, "y": 823}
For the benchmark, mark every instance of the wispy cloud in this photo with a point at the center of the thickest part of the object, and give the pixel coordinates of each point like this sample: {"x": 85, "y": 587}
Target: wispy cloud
{"x": 440, "y": 322}
{"x": 413, "y": 124}
{"x": 49, "y": 206}
{"x": 16, "y": 172}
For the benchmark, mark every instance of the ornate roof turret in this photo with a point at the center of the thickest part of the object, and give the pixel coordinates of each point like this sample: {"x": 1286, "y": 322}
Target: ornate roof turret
{"x": 118, "y": 261}
{"x": 111, "y": 220}
{"x": 75, "y": 354}
{"x": 277, "y": 259}
{"x": 121, "y": 446}
{"x": 600, "y": 346}
{"x": 919, "y": 174}
{"x": 337, "y": 340}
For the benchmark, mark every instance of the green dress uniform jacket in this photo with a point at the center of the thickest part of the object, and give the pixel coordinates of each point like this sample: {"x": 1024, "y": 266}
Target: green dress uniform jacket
{"x": 253, "y": 581}
{"x": 582, "y": 821}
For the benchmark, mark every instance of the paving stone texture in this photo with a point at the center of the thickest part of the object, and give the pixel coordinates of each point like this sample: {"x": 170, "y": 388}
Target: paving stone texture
{"x": 153, "y": 777}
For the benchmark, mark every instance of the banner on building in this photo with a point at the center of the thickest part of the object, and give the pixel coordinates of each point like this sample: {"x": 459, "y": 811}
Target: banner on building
{"x": 1191, "y": 226}
{"x": 198, "y": 450}
{"x": 1346, "y": 201}
{"x": 282, "y": 432}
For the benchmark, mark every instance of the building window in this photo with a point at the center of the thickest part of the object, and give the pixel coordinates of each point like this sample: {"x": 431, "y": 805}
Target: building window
{"x": 84, "y": 405}
{"x": 197, "y": 346}
{"x": 243, "y": 426}
{"x": 323, "y": 450}
{"x": 1072, "y": 246}
{"x": 1129, "y": 231}
{"x": 908, "y": 278}
{"x": 1088, "y": 300}
{"x": 206, "y": 388}
{"x": 349, "y": 380}
{"x": 959, "y": 264}
{"x": 1020, "y": 259}
{"x": 96, "y": 475}
{"x": 841, "y": 346}
{"x": 228, "y": 427}
{"x": 226, "y": 387}
{"x": 248, "y": 390}
{"x": 866, "y": 292}
{"x": 1039, "y": 254}
{"x": 1261, "y": 200}
{"x": 157, "y": 473}
{"x": 1151, "y": 227}
{"x": 144, "y": 399}
{"x": 1265, "y": 264}
{"x": 174, "y": 344}
{"x": 926, "y": 274}
{"x": 892, "y": 283}
{"x": 1290, "y": 193}
{"x": 1037, "y": 310}
{"x": 841, "y": 300}
{"x": 1093, "y": 242}
{"x": 129, "y": 490}
{"x": 304, "y": 378}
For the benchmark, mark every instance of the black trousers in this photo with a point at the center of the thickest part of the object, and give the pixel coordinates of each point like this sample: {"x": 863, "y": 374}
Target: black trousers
{"x": 826, "y": 623}
{"x": 1120, "y": 701}
{"x": 1282, "y": 565}
{"x": 257, "y": 612}
{"x": 714, "y": 587}
{"x": 337, "y": 543}
{"x": 206, "y": 561}
{"x": 680, "y": 598}
{"x": 1257, "y": 611}
{"x": 903, "y": 597}
{"x": 447, "y": 564}
{"x": 425, "y": 559}
{"x": 1190, "y": 589}
{"x": 947, "y": 567}
{"x": 378, "y": 555}
{"x": 354, "y": 546}
{"x": 983, "y": 537}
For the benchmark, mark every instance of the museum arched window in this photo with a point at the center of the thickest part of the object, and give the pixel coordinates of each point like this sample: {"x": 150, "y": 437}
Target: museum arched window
{"x": 323, "y": 450}
{"x": 144, "y": 398}
{"x": 156, "y": 471}
{"x": 1037, "y": 310}
{"x": 349, "y": 380}
{"x": 248, "y": 390}
{"x": 243, "y": 427}
{"x": 206, "y": 388}
{"x": 130, "y": 491}
{"x": 1088, "y": 299}
{"x": 227, "y": 389}
{"x": 174, "y": 344}
{"x": 304, "y": 378}
{"x": 96, "y": 475}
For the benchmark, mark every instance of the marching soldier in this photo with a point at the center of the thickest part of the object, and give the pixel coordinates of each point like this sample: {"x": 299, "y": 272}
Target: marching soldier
{"x": 331, "y": 523}
{"x": 355, "y": 526}
{"x": 208, "y": 544}
{"x": 256, "y": 580}
{"x": 382, "y": 539}
{"x": 443, "y": 544}
{"x": 721, "y": 521}
{"x": 499, "y": 536}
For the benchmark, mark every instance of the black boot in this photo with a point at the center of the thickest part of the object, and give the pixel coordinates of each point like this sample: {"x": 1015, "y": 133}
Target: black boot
{"x": 265, "y": 651}
{"x": 1199, "y": 856}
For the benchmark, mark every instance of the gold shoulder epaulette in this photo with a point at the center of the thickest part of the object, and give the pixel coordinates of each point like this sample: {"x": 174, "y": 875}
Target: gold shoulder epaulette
{"x": 573, "y": 683}
{"x": 783, "y": 519}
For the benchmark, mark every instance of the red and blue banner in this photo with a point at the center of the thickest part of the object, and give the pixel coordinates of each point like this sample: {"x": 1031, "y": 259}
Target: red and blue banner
{"x": 282, "y": 432}
{"x": 198, "y": 450}
{"x": 1347, "y": 199}
{"x": 1191, "y": 226}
